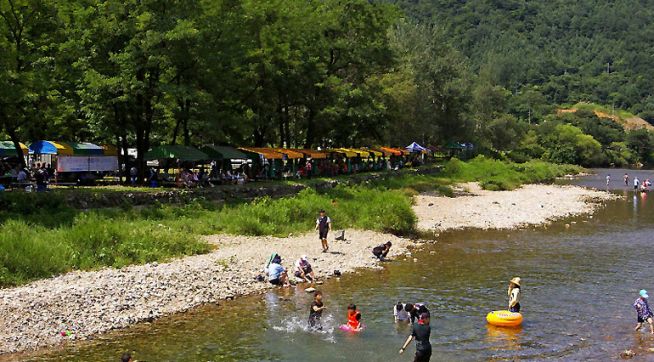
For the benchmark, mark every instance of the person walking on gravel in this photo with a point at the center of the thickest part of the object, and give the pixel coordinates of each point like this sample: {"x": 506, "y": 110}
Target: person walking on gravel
{"x": 324, "y": 226}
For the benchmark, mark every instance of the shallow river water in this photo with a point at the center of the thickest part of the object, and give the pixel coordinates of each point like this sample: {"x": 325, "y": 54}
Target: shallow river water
{"x": 579, "y": 284}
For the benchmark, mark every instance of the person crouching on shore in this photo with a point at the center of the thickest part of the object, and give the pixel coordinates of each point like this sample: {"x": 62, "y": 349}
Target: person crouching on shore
{"x": 644, "y": 313}
{"x": 276, "y": 273}
{"x": 382, "y": 250}
{"x": 303, "y": 270}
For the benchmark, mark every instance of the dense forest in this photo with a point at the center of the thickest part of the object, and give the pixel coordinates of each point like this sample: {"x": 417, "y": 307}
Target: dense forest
{"x": 137, "y": 73}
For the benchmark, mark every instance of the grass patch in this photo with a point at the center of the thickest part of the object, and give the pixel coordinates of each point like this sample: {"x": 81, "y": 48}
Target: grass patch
{"x": 41, "y": 237}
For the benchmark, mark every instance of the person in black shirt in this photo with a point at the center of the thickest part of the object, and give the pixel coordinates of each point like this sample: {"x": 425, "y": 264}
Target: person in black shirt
{"x": 315, "y": 312}
{"x": 382, "y": 250}
{"x": 420, "y": 332}
{"x": 415, "y": 310}
{"x": 324, "y": 226}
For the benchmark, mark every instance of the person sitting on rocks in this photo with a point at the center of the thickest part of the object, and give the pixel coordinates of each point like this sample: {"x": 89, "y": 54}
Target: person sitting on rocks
{"x": 277, "y": 273}
{"x": 381, "y": 251}
{"x": 303, "y": 270}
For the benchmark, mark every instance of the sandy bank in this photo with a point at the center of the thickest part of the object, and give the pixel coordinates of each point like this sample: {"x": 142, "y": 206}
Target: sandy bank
{"x": 529, "y": 205}
{"x": 88, "y": 303}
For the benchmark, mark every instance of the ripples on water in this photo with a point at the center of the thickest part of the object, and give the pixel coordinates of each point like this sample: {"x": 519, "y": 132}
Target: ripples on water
{"x": 579, "y": 284}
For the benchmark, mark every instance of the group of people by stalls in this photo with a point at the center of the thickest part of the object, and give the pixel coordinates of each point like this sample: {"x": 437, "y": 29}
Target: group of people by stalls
{"x": 334, "y": 165}
{"x": 37, "y": 176}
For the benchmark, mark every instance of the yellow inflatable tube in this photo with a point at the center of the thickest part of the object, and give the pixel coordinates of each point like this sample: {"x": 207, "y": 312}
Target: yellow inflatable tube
{"x": 504, "y": 318}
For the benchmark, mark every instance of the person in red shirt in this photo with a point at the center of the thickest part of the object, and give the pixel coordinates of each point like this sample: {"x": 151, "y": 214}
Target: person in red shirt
{"x": 353, "y": 317}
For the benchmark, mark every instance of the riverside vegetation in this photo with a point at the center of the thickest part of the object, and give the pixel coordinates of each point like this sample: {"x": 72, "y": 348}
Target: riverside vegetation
{"x": 40, "y": 236}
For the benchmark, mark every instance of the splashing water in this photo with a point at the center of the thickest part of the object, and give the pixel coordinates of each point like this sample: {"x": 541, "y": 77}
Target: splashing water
{"x": 300, "y": 325}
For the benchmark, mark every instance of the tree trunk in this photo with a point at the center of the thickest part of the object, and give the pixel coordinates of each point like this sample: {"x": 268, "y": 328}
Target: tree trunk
{"x": 186, "y": 113}
{"x": 13, "y": 135}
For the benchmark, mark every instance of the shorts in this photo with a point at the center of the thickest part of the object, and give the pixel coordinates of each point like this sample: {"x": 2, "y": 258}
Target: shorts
{"x": 323, "y": 234}
{"x": 643, "y": 319}
{"x": 275, "y": 281}
{"x": 307, "y": 271}
{"x": 515, "y": 308}
{"x": 422, "y": 356}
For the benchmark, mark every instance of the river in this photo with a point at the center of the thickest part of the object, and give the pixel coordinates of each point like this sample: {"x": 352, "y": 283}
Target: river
{"x": 580, "y": 277}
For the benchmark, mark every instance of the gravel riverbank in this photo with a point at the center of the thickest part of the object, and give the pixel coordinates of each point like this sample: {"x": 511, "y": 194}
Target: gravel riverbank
{"x": 528, "y": 205}
{"x": 89, "y": 303}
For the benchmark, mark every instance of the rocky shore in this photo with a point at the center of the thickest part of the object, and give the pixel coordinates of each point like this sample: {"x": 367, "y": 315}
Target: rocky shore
{"x": 83, "y": 304}
{"x": 80, "y": 305}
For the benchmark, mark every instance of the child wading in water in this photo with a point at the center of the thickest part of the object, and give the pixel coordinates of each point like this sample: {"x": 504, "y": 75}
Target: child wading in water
{"x": 315, "y": 312}
{"x": 514, "y": 295}
{"x": 353, "y": 317}
{"x": 644, "y": 313}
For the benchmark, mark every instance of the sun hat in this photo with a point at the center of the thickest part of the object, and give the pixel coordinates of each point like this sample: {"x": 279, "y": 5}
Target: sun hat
{"x": 516, "y": 281}
{"x": 303, "y": 257}
{"x": 643, "y": 293}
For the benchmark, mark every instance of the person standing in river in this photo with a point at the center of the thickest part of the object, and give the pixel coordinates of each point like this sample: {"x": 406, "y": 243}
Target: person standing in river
{"x": 514, "y": 295}
{"x": 420, "y": 332}
{"x": 636, "y": 183}
{"x": 315, "y": 311}
{"x": 644, "y": 313}
{"x": 324, "y": 226}
{"x": 626, "y": 179}
{"x": 608, "y": 180}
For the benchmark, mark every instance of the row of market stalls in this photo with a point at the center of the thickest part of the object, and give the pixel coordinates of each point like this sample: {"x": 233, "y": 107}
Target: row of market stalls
{"x": 267, "y": 162}
{"x": 258, "y": 162}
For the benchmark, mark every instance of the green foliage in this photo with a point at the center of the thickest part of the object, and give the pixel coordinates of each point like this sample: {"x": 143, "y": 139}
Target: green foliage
{"x": 498, "y": 175}
{"x": 29, "y": 250}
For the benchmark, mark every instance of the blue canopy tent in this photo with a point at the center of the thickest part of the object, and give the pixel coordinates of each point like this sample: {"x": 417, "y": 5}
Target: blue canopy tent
{"x": 415, "y": 148}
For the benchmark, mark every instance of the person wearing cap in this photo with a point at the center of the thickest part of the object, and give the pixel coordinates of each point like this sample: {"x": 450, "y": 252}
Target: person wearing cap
{"x": 644, "y": 313}
{"x": 381, "y": 251}
{"x": 514, "y": 295}
{"x": 303, "y": 270}
{"x": 420, "y": 332}
{"x": 277, "y": 273}
{"x": 324, "y": 226}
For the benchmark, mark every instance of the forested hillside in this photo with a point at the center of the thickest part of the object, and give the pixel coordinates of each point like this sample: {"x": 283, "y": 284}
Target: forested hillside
{"x": 569, "y": 51}
{"x": 138, "y": 73}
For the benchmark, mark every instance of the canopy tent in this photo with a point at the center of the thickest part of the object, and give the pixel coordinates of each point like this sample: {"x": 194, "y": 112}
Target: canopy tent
{"x": 360, "y": 153}
{"x": 175, "y": 152}
{"x": 290, "y": 154}
{"x": 223, "y": 153}
{"x": 415, "y": 148}
{"x": 394, "y": 151}
{"x": 347, "y": 152}
{"x": 316, "y": 155}
{"x": 109, "y": 150}
{"x": 374, "y": 152}
{"x": 384, "y": 152}
{"x": 85, "y": 149}
{"x": 263, "y": 152}
{"x": 50, "y": 148}
{"x": 7, "y": 149}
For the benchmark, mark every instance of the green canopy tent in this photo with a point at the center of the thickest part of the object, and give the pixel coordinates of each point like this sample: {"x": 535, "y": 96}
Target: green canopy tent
{"x": 176, "y": 152}
{"x": 219, "y": 153}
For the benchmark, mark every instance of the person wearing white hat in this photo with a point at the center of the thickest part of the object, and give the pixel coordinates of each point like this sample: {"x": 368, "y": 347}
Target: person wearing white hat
{"x": 514, "y": 295}
{"x": 303, "y": 270}
{"x": 644, "y": 313}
